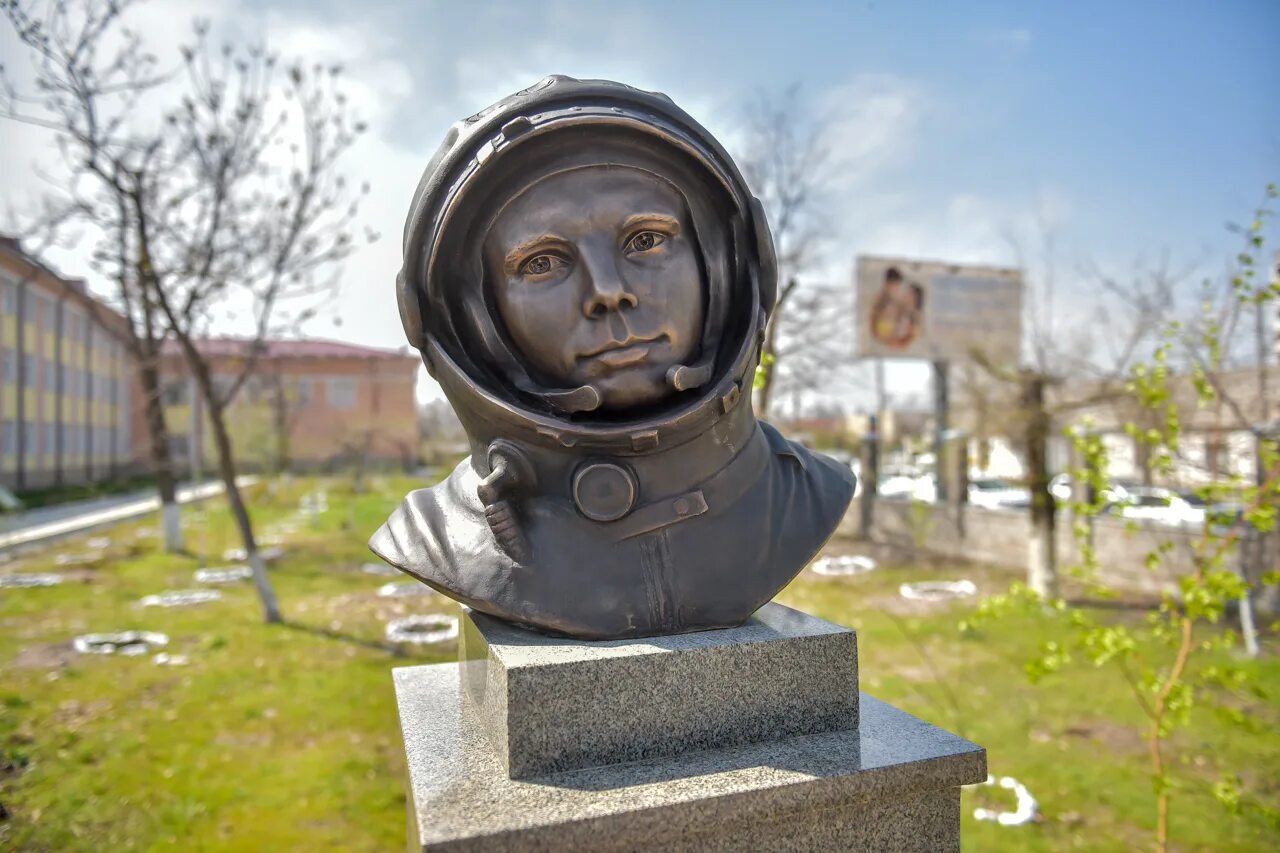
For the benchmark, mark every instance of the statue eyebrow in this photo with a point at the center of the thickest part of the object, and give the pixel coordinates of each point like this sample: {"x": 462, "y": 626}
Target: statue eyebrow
{"x": 522, "y": 250}
{"x": 660, "y": 220}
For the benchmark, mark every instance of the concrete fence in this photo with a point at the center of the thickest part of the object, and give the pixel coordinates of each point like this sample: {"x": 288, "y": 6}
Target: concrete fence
{"x": 1001, "y": 537}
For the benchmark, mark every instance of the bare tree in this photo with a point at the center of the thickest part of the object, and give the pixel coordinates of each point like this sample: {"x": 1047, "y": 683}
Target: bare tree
{"x": 83, "y": 91}
{"x": 232, "y": 199}
{"x": 784, "y": 155}
{"x": 1094, "y": 349}
{"x": 264, "y": 233}
{"x": 813, "y": 344}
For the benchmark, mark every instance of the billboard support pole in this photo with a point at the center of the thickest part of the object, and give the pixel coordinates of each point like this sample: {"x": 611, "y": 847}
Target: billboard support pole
{"x": 941, "y": 408}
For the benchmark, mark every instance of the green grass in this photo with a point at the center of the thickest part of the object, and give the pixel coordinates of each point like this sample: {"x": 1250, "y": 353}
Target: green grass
{"x": 286, "y": 737}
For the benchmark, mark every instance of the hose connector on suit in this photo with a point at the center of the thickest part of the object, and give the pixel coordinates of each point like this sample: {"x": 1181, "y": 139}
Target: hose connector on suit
{"x": 510, "y": 475}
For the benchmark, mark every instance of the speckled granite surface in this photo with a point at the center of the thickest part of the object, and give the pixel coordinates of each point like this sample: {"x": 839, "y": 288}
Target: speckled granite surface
{"x": 553, "y": 704}
{"x": 891, "y": 784}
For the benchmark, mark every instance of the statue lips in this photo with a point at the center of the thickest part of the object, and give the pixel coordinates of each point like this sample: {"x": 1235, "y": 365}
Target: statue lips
{"x": 623, "y": 353}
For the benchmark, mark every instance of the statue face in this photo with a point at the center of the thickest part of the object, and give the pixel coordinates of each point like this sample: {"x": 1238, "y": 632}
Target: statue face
{"x": 596, "y": 276}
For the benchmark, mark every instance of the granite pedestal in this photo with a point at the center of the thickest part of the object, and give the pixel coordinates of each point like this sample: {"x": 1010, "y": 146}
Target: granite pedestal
{"x": 746, "y": 738}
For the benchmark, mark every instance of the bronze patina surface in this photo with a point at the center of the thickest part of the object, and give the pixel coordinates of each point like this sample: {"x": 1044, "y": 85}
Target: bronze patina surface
{"x": 588, "y": 277}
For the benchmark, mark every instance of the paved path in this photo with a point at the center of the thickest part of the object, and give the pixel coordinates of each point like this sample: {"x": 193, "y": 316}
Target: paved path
{"x": 49, "y": 522}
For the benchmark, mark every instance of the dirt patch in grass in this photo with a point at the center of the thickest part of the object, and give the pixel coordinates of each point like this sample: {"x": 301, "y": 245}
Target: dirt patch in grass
{"x": 1115, "y": 738}
{"x": 45, "y": 656}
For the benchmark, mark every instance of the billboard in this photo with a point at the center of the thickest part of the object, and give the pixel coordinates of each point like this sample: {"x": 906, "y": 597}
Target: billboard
{"x": 938, "y": 311}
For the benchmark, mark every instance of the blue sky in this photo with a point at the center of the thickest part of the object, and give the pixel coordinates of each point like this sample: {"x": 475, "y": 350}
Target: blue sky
{"x": 1127, "y": 129}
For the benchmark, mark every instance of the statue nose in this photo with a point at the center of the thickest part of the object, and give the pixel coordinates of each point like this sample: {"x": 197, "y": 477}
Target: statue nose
{"x": 606, "y": 291}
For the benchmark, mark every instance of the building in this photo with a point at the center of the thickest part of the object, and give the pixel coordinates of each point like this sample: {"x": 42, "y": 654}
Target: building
{"x": 308, "y": 404}
{"x": 1218, "y": 437}
{"x": 67, "y": 383}
{"x": 1218, "y": 440}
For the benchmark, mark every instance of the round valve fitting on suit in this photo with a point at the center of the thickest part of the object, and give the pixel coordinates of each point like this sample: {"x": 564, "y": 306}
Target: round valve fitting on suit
{"x": 604, "y": 491}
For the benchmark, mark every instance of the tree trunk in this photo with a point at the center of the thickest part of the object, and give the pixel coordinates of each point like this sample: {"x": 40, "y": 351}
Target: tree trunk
{"x": 240, "y": 513}
{"x": 1042, "y": 562}
{"x": 768, "y": 354}
{"x": 280, "y": 415}
{"x": 227, "y": 471}
{"x": 161, "y": 459}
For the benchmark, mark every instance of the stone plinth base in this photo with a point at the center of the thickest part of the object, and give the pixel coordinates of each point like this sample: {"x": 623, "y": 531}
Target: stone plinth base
{"x": 863, "y": 776}
{"x": 552, "y": 704}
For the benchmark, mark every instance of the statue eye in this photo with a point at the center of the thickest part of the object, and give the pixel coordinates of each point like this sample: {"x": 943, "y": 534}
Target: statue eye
{"x": 541, "y": 265}
{"x": 644, "y": 241}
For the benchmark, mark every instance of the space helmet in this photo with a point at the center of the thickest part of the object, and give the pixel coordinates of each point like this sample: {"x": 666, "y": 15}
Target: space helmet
{"x": 449, "y": 313}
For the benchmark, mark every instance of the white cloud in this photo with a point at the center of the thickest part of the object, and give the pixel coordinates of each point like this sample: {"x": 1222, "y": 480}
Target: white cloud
{"x": 873, "y": 120}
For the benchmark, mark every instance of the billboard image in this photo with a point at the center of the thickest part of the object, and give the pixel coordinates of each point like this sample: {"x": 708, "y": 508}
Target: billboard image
{"x": 928, "y": 309}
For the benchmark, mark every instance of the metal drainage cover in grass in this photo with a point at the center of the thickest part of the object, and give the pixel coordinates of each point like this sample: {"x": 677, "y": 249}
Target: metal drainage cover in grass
{"x": 27, "y": 581}
{"x": 937, "y": 590}
{"x": 180, "y": 598}
{"x": 422, "y": 630}
{"x": 239, "y": 555}
{"x": 1025, "y": 806}
{"x": 131, "y": 643}
{"x": 403, "y": 589}
{"x": 228, "y": 575}
{"x": 843, "y": 565}
{"x": 77, "y": 559}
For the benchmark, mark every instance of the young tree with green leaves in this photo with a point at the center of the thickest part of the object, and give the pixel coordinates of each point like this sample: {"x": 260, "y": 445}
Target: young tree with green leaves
{"x": 1158, "y": 656}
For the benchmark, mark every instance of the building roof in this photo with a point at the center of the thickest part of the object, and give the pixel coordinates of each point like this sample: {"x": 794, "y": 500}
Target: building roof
{"x": 37, "y": 270}
{"x": 279, "y": 348}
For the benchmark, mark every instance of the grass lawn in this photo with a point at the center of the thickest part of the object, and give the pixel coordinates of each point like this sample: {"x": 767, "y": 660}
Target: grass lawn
{"x": 286, "y": 737}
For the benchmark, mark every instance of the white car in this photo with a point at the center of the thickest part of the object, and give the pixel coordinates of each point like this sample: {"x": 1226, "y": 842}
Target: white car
{"x": 1161, "y": 506}
{"x": 903, "y": 487}
{"x": 1062, "y": 487}
{"x": 997, "y": 494}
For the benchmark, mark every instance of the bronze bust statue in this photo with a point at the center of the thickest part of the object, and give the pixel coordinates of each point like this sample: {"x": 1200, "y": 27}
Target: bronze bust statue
{"x": 588, "y": 277}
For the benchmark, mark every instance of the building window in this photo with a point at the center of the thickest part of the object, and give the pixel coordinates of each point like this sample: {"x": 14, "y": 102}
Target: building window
{"x": 302, "y": 392}
{"x": 30, "y": 308}
{"x": 29, "y": 439}
{"x": 222, "y": 386}
{"x": 174, "y": 393}
{"x": 9, "y": 438}
{"x": 179, "y": 447}
{"x": 10, "y": 366}
{"x": 28, "y": 370}
{"x": 50, "y": 440}
{"x": 341, "y": 393}
{"x": 8, "y": 298}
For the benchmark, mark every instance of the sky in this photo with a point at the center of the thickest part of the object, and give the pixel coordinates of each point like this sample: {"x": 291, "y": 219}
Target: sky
{"x": 959, "y": 131}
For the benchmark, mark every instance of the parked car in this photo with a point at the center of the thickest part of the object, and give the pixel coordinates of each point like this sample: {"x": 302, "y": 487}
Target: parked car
{"x": 1062, "y": 487}
{"x": 1162, "y": 506}
{"x": 907, "y": 487}
{"x": 991, "y": 493}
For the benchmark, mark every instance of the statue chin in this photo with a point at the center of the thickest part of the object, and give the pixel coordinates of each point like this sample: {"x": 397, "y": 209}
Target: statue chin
{"x": 629, "y": 389}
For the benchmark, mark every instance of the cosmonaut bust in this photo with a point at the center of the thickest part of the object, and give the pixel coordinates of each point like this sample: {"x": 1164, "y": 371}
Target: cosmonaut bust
{"x": 588, "y": 277}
